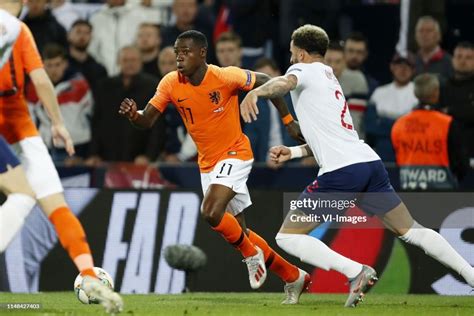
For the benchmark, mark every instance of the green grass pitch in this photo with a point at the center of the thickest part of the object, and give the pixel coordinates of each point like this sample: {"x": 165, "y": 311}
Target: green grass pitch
{"x": 238, "y": 304}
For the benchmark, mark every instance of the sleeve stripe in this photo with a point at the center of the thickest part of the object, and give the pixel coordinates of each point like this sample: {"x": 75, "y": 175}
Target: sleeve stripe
{"x": 249, "y": 78}
{"x": 294, "y": 69}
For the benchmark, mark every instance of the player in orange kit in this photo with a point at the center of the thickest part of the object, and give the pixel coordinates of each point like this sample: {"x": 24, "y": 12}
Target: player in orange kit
{"x": 20, "y": 56}
{"x": 206, "y": 98}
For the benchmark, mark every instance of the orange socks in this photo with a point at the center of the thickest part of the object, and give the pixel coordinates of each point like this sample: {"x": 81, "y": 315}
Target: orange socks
{"x": 285, "y": 270}
{"x": 230, "y": 229}
{"x": 89, "y": 272}
{"x": 73, "y": 239}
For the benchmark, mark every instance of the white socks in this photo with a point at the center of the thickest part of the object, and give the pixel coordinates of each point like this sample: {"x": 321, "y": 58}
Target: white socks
{"x": 12, "y": 216}
{"x": 313, "y": 251}
{"x": 316, "y": 253}
{"x": 438, "y": 248}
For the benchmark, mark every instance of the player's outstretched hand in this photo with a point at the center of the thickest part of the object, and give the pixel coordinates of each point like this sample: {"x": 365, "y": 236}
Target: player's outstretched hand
{"x": 294, "y": 131}
{"x": 279, "y": 154}
{"x": 60, "y": 135}
{"x": 128, "y": 109}
{"x": 248, "y": 107}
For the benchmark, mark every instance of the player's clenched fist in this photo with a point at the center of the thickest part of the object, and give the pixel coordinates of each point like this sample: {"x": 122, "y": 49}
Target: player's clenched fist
{"x": 279, "y": 154}
{"x": 128, "y": 108}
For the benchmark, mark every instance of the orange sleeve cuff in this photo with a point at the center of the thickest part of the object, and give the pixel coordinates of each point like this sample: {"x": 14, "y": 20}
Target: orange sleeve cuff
{"x": 287, "y": 119}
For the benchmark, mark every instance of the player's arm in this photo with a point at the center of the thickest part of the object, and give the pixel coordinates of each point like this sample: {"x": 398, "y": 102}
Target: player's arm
{"x": 277, "y": 99}
{"x": 279, "y": 154}
{"x": 264, "y": 85}
{"x": 141, "y": 119}
{"x": 45, "y": 91}
{"x": 276, "y": 87}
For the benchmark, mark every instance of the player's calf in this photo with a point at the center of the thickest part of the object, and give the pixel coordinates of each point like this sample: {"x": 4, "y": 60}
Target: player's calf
{"x": 435, "y": 246}
{"x": 401, "y": 223}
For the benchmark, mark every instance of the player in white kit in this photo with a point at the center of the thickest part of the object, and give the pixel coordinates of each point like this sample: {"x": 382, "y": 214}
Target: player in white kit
{"x": 346, "y": 165}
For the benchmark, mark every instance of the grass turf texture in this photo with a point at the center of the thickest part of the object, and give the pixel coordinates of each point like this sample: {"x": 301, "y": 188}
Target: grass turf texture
{"x": 65, "y": 303}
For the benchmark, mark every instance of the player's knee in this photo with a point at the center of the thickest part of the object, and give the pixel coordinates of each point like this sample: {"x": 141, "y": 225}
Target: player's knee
{"x": 14, "y": 181}
{"x": 212, "y": 211}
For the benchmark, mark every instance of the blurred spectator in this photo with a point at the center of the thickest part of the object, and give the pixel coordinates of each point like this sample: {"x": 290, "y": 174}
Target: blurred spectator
{"x": 458, "y": 94}
{"x": 410, "y": 12}
{"x": 428, "y": 144}
{"x": 79, "y": 38}
{"x": 65, "y": 12}
{"x": 254, "y": 20}
{"x": 159, "y": 8}
{"x": 148, "y": 42}
{"x": 189, "y": 16}
{"x": 44, "y": 26}
{"x": 229, "y": 50}
{"x": 268, "y": 130}
{"x": 353, "y": 85}
{"x": 113, "y": 138}
{"x": 431, "y": 57}
{"x": 356, "y": 51}
{"x": 388, "y": 103}
{"x": 115, "y": 26}
{"x": 295, "y": 13}
{"x": 75, "y": 102}
{"x": 166, "y": 60}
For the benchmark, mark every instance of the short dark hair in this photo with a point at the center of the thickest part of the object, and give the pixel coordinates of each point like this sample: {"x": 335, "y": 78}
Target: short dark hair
{"x": 229, "y": 37}
{"x": 197, "y": 37}
{"x": 265, "y": 61}
{"x": 53, "y": 50}
{"x": 336, "y": 45}
{"x": 81, "y": 22}
{"x": 157, "y": 27}
{"x": 358, "y": 37}
{"x": 464, "y": 44}
{"x": 311, "y": 38}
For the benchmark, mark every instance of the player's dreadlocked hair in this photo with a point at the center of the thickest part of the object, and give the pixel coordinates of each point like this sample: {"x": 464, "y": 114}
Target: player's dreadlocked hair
{"x": 197, "y": 37}
{"x": 311, "y": 38}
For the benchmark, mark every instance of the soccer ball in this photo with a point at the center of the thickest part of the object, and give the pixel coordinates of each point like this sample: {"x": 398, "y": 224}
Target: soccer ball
{"x": 103, "y": 276}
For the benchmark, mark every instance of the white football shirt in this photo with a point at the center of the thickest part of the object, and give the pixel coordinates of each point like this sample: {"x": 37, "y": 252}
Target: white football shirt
{"x": 325, "y": 119}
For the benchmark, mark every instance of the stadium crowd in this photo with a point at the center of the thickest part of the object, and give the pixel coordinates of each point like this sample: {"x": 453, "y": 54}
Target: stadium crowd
{"x": 97, "y": 54}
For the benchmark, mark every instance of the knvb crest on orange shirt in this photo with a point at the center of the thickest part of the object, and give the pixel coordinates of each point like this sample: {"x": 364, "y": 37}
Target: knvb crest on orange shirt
{"x": 215, "y": 97}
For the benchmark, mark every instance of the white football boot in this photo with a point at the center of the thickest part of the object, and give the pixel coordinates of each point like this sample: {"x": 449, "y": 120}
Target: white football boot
{"x": 111, "y": 300}
{"x": 294, "y": 289}
{"x": 257, "y": 269}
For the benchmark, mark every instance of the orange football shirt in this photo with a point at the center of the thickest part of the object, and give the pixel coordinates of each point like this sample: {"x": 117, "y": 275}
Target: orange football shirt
{"x": 15, "y": 120}
{"x": 210, "y": 111}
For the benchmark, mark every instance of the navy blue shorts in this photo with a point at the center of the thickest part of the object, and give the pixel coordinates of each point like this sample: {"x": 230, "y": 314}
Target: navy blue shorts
{"x": 367, "y": 184}
{"x": 7, "y": 157}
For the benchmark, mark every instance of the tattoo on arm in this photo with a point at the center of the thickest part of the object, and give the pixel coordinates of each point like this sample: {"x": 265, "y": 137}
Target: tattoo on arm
{"x": 261, "y": 79}
{"x": 277, "y": 87}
